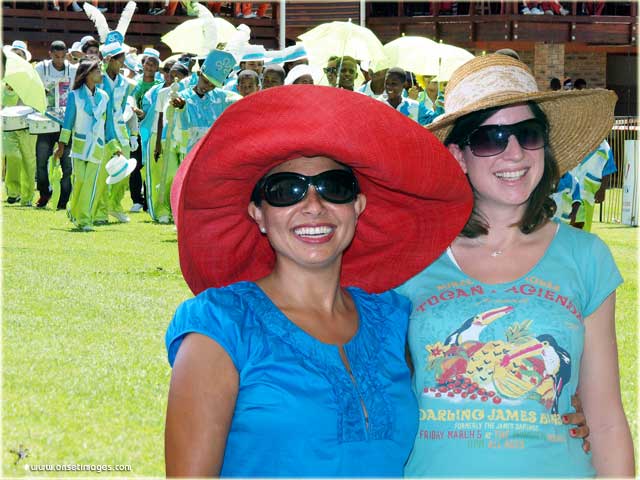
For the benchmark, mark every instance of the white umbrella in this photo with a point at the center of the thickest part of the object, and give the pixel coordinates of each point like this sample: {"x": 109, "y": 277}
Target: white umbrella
{"x": 199, "y": 35}
{"x": 451, "y": 57}
{"x": 423, "y": 56}
{"x": 341, "y": 39}
{"x": 415, "y": 54}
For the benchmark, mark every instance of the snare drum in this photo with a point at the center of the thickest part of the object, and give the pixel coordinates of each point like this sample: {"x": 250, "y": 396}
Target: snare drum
{"x": 39, "y": 123}
{"x": 15, "y": 118}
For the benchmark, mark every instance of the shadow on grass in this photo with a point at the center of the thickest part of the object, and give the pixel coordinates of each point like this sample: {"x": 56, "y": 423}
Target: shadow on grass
{"x": 69, "y": 230}
{"x": 157, "y": 224}
{"x": 158, "y": 272}
{"x": 98, "y": 229}
{"x": 614, "y": 226}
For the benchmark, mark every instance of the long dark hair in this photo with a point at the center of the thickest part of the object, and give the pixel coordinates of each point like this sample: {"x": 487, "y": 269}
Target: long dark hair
{"x": 84, "y": 68}
{"x": 540, "y": 206}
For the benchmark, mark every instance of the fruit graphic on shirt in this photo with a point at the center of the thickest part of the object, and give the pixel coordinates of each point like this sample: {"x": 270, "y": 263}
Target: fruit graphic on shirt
{"x": 521, "y": 366}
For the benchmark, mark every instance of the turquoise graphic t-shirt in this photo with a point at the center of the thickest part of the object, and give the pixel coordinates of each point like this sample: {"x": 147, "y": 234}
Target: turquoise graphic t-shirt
{"x": 496, "y": 364}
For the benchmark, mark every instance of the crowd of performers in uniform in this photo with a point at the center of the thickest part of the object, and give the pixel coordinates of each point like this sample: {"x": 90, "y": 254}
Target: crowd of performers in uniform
{"x": 129, "y": 120}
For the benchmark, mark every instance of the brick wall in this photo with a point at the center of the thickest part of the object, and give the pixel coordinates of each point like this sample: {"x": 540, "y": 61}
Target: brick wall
{"x": 548, "y": 62}
{"x": 527, "y": 57}
{"x": 592, "y": 66}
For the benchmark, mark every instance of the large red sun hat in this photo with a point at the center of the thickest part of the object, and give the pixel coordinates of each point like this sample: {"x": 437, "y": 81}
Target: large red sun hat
{"x": 418, "y": 199}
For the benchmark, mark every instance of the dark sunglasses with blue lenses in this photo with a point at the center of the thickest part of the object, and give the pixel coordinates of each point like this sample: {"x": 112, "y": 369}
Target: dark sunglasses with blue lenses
{"x": 490, "y": 140}
{"x": 286, "y": 188}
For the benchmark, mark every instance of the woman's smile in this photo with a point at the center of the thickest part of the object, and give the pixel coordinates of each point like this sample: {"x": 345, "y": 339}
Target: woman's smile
{"x": 315, "y": 233}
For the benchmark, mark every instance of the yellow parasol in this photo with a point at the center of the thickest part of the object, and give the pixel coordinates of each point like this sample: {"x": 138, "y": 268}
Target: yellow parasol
{"x": 415, "y": 54}
{"x": 23, "y": 79}
{"x": 451, "y": 57}
{"x": 226, "y": 29}
{"x": 423, "y": 56}
{"x": 199, "y": 35}
{"x": 341, "y": 38}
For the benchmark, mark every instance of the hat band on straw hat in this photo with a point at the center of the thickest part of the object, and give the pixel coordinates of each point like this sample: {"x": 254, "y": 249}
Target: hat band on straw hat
{"x": 475, "y": 87}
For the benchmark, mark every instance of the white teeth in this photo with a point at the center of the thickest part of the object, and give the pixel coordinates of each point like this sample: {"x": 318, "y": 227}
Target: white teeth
{"x": 511, "y": 175}
{"x": 313, "y": 231}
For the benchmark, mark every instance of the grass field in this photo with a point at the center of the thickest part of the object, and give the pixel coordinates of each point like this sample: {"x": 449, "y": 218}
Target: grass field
{"x": 85, "y": 375}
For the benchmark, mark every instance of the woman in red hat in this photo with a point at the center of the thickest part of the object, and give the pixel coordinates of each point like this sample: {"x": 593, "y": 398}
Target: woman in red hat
{"x": 283, "y": 364}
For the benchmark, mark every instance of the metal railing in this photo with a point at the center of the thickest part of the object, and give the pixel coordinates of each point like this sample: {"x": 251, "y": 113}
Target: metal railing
{"x": 624, "y": 128}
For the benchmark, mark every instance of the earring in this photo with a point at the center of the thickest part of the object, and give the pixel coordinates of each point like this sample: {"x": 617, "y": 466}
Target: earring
{"x": 263, "y": 230}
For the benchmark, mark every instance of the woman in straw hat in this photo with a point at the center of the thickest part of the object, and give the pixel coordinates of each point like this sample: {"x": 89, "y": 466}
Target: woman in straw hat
{"x": 85, "y": 125}
{"x": 288, "y": 367}
{"x": 518, "y": 313}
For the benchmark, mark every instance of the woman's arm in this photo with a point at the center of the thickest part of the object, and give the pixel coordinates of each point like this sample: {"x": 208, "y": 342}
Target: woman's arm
{"x": 202, "y": 397}
{"x": 599, "y": 390}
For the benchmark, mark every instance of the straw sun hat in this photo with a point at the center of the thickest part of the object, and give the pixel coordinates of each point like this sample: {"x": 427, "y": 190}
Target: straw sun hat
{"x": 578, "y": 119}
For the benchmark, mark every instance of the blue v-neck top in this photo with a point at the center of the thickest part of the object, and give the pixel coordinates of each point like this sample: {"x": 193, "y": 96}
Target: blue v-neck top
{"x": 298, "y": 411}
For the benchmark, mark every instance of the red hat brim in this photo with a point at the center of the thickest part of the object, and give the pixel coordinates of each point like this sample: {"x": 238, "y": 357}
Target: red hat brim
{"x": 418, "y": 198}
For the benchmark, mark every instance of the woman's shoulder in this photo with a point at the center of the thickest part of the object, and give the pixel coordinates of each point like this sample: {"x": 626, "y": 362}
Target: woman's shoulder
{"x": 389, "y": 298}
{"x": 583, "y": 252}
{"x": 386, "y": 306}
{"x": 574, "y": 237}
{"x": 229, "y": 299}
{"x": 222, "y": 314}
{"x": 591, "y": 258}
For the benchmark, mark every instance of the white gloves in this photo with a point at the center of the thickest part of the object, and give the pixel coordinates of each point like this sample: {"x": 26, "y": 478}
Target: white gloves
{"x": 133, "y": 141}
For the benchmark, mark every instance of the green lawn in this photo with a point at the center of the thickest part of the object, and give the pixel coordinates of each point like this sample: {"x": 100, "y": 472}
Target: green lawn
{"x": 624, "y": 245}
{"x": 85, "y": 376}
{"x": 612, "y": 210}
{"x": 85, "y": 373}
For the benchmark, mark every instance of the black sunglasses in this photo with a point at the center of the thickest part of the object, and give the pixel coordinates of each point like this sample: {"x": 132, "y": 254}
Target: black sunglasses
{"x": 490, "y": 140}
{"x": 330, "y": 70}
{"x": 286, "y": 188}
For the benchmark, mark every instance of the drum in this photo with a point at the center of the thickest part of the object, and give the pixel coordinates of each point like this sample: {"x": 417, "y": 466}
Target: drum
{"x": 15, "y": 118}
{"x": 39, "y": 123}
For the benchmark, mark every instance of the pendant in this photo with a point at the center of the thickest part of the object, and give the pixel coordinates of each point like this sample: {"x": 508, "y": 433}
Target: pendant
{"x": 496, "y": 253}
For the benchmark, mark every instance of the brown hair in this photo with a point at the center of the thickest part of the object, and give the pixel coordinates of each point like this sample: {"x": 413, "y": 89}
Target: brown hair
{"x": 540, "y": 206}
{"x": 84, "y": 68}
